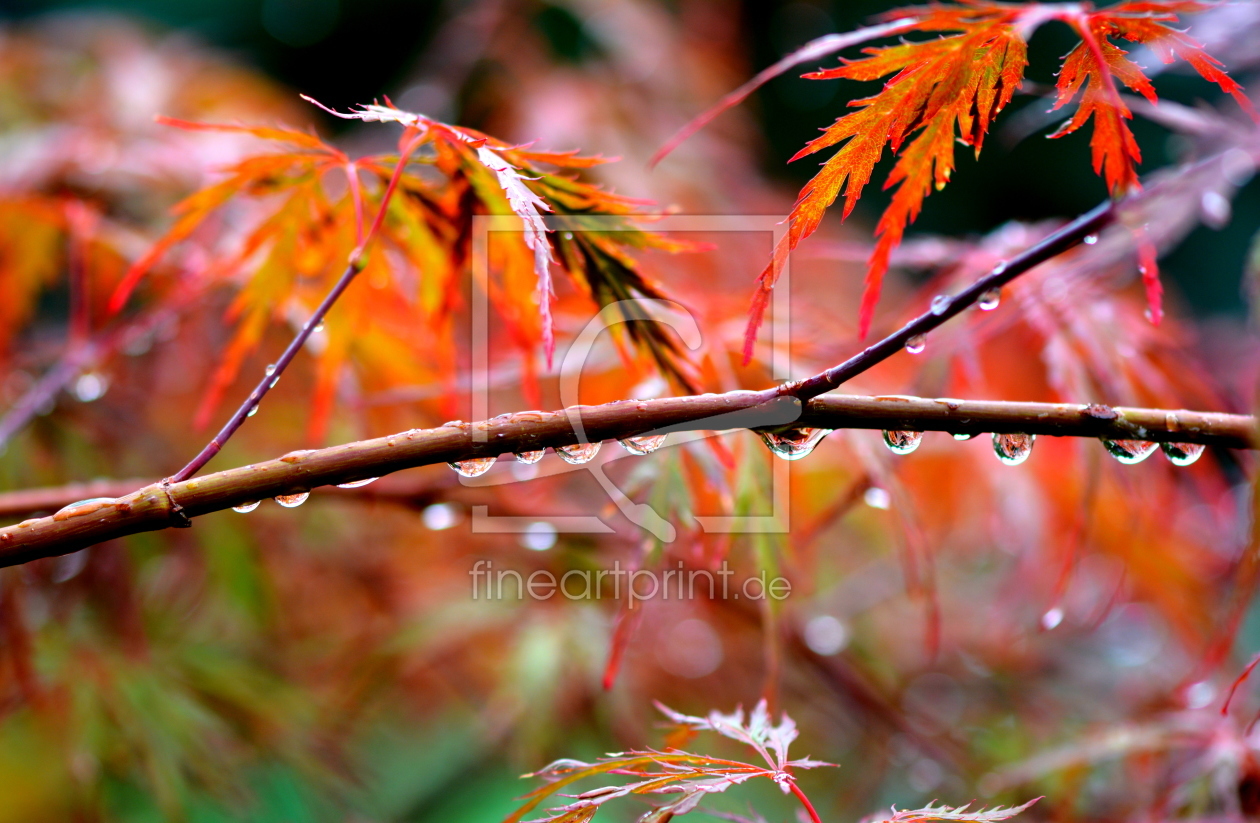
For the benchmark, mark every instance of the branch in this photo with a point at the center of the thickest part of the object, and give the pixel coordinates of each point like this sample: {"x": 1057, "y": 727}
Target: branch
{"x": 1090, "y": 223}
{"x": 418, "y": 492}
{"x": 166, "y": 505}
{"x": 272, "y": 375}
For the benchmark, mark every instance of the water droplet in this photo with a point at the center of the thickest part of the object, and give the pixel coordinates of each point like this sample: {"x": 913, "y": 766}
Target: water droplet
{"x": 826, "y": 635}
{"x": 253, "y": 410}
{"x": 538, "y": 536}
{"x": 90, "y": 386}
{"x": 355, "y": 484}
{"x": 1091, "y": 239}
{"x": 877, "y": 498}
{"x": 439, "y": 516}
{"x": 1216, "y": 209}
{"x": 793, "y": 444}
{"x": 1182, "y": 454}
{"x": 271, "y": 369}
{"x": 1129, "y": 452}
{"x": 91, "y": 501}
{"x": 961, "y": 436}
{"x": 292, "y": 501}
{"x": 473, "y": 466}
{"x": 941, "y": 303}
{"x": 246, "y": 508}
{"x": 1200, "y": 695}
{"x": 643, "y": 444}
{"x": 903, "y": 442}
{"x": 916, "y": 344}
{"x": 578, "y": 453}
{"x": 1013, "y": 449}
{"x": 1052, "y": 618}
{"x": 990, "y": 300}
{"x": 530, "y": 457}
{"x": 319, "y": 327}
{"x": 999, "y": 268}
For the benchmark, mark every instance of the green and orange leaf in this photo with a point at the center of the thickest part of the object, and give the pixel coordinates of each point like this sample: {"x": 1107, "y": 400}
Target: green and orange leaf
{"x": 299, "y": 215}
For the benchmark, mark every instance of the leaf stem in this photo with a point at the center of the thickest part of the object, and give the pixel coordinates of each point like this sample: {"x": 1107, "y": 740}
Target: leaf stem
{"x": 809, "y": 807}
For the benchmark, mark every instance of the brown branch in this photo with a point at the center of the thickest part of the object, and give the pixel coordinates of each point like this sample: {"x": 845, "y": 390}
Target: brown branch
{"x": 160, "y": 506}
{"x": 417, "y": 492}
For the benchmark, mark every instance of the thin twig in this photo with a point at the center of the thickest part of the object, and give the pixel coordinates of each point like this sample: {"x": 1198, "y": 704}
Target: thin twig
{"x": 272, "y": 375}
{"x": 1060, "y": 241}
{"x": 162, "y": 506}
{"x": 270, "y": 378}
{"x": 44, "y": 392}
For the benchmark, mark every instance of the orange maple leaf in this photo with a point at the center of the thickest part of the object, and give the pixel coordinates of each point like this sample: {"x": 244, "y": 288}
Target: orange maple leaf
{"x": 949, "y": 89}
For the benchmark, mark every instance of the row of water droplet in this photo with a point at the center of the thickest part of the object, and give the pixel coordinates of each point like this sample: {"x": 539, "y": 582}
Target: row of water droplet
{"x": 1012, "y": 449}
{"x": 794, "y": 444}
{"x": 941, "y": 303}
{"x": 577, "y": 453}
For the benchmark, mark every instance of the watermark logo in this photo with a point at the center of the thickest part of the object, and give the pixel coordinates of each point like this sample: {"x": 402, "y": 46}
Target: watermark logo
{"x": 642, "y": 516}
{"x": 634, "y": 585}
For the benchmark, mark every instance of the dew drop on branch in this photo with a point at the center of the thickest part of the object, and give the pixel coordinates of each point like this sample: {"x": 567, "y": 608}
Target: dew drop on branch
{"x": 990, "y": 300}
{"x": 246, "y": 508}
{"x": 1129, "y": 452}
{"x": 794, "y": 443}
{"x": 578, "y": 453}
{"x": 963, "y": 436}
{"x": 355, "y": 484}
{"x": 643, "y": 444}
{"x": 902, "y": 442}
{"x": 941, "y": 304}
{"x": 253, "y": 410}
{"x": 91, "y": 501}
{"x": 1013, "y": 449}
{"x": 530, "y": 457}
{"x": 271, "y": 369}
{"x": 1182, "y": 454}
{"x": 473, "y": 466}
{"x": 916, "y": 344}
{"x": 1091, "y": 239}
{"x": 292, "y": 501}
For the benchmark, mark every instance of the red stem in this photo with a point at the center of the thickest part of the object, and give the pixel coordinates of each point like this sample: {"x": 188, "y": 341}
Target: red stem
{"x": 809, "y": 807}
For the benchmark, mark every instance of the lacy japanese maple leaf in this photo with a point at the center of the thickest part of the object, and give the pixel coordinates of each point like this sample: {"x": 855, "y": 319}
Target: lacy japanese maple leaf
{"x": 950, "y": 88}
{"x": 694, "y": 776}
{"x": 304, "y": 207}
{"x": 674, "y": 772}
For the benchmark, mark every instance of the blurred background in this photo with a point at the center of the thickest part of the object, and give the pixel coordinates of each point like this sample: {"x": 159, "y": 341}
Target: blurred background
{"x": 958, "y": 628}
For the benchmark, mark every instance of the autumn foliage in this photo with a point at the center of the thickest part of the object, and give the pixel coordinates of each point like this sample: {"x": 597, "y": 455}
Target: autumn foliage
{"x": 950, "y": 88}
{"x": 1075, "y": 628}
